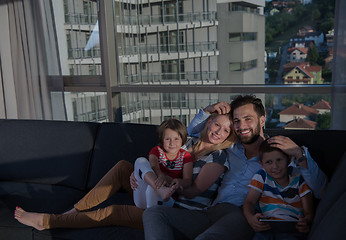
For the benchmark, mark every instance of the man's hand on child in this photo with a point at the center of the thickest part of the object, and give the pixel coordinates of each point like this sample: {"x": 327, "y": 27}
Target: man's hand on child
{"x": 256, "y": 224}
{"x": 303, "y": 225}
{"x": 288, "y": 146}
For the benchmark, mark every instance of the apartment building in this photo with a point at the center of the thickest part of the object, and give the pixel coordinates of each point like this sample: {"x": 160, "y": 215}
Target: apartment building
{"x": 191, "y": 42}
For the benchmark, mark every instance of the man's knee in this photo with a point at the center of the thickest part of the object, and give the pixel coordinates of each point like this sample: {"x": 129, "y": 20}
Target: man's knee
{"x": 228, "y": 223}
{"x": 153, "y": 213}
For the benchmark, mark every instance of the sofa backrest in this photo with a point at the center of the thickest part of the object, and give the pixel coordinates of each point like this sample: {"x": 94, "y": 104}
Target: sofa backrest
{"x": 56, "y": 152}
{"x": 120, "y": 141}
{"x": 330, "y": 217}
{"x": 325, "y": 146}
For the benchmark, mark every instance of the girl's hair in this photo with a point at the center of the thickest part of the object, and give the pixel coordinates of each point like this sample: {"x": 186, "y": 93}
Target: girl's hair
{"x": 265, "y": 148}
{"x": 231, "y": 139}
{"x": 175, "y": 125}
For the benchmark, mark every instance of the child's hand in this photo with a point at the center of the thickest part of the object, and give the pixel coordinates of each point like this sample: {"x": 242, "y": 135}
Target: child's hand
{"x": 175, "y": 184}
{"x": 256, "y": 224}
{"x": 160, "y": 181}
{"x": 303, "y": 225}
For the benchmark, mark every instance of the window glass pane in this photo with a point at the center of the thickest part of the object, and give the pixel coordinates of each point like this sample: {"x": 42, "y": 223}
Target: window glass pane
{"x": 77, "y": 29}
{"x": 80, "y": 55}
{"x": 184, "y": 43}
{"x": 235, "y": 66}
{"x": 249, "y": 36}
{"x": 290, "y": 111}
{"x": 86, "y": 106}
{"x": 234, "y": 37}
{"x": 203, "y": 45}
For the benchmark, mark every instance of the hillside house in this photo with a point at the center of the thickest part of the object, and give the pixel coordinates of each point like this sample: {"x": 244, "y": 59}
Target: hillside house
{"x": 304, "y": 74}
{"x": 297, "y": 54}
{"x": 322, "y": 106}
{"x": 300, "y": 124}
{"x": 296, "y": 111}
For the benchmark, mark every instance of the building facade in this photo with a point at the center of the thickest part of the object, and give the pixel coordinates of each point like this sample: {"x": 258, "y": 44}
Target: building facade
{"x": 192, "y": 42}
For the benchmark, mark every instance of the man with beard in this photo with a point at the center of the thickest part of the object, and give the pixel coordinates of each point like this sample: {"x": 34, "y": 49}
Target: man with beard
{"x": 225, "y": 219}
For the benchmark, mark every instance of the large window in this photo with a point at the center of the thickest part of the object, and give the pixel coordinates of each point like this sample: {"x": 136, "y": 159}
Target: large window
{"x": 167, "y": 59}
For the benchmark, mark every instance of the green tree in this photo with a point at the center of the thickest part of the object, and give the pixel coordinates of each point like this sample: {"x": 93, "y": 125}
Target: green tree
{"x": 327, "y": 75}
{"x": 323, "y": 121}
{"x": 312, "y": 56}
{"x": 315, "y": 15}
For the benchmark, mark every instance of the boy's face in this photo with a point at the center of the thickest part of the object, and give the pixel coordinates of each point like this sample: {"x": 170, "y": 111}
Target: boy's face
{"x": 275, "y": 164}
{"x": 172, "y": 142}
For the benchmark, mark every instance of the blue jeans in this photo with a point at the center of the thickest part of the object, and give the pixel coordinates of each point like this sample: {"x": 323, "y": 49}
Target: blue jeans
{"x": 223, "y": 221}
{"x": 271, "y": 235}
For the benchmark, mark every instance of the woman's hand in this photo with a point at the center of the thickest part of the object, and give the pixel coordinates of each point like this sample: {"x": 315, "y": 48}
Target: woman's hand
{"x": 220, "y": 108}
{"x": 133, "y": 182}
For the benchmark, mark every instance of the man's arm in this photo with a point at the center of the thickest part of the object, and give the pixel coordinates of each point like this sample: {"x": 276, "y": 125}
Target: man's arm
{"x": 313, "y": 175}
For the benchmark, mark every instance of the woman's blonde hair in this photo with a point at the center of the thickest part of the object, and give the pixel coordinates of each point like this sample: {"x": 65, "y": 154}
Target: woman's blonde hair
{"x": 230, "y": 140}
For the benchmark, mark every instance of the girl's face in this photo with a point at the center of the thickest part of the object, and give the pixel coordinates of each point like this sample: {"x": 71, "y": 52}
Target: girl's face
{"x": 219, "y": 129}
{"x": 172, "y": 142}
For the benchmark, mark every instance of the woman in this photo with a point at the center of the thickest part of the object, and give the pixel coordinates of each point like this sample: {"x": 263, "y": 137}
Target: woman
{"x": 209, "y": 165}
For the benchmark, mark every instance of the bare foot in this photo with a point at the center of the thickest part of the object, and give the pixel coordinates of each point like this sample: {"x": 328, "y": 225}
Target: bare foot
{"x": 165, "y": 192}
{"x": 29, "y": 218}
{"x": 73, "y": 210}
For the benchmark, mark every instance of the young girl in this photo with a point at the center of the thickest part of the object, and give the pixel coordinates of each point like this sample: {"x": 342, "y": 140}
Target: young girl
{"x": 169, "y": 167}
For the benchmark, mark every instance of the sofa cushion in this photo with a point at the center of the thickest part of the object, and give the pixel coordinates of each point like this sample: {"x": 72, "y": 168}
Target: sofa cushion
{"x": 111, "y": 232}
{"x": 31, "y": 197}
{"x": 332, "y": 225}
{"x": 53, "y": 199}
{"x": 56, "y": 152}
{"x": 334, "y": 192}
{"x": 119, "y": 141}
{"x": 38, "y": 197}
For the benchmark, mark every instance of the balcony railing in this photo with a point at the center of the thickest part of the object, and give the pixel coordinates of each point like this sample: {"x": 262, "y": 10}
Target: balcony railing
{"x": 160, "y": 104}
{"x": 170, "y": 48}
{"x": 162, "y": 19}
{"x": 80, "y": 53}
{"x": 80, "y": 19}
{"x": 97, "y": 116}
{"x": 159, "y": 78}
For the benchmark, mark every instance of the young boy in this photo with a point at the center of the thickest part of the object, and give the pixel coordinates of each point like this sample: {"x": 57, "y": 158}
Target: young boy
{"x": 169, "y": 166}
{"x": 281, "y": 196}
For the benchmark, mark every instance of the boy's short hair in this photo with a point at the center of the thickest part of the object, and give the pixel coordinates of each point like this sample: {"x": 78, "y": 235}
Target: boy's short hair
{"x": 175, "y": 125}
{"x": 265, "y": 148}
{"x": 242, "y": 100}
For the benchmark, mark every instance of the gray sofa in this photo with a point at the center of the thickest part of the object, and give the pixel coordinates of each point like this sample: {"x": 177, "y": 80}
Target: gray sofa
{"x": 47, "y": 166}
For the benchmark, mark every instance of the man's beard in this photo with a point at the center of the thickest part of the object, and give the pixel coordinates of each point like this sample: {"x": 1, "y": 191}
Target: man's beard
{"x": 253, "y": 138}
